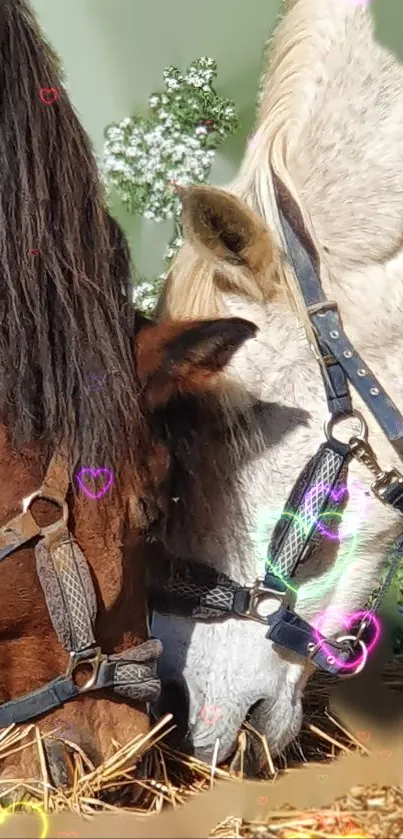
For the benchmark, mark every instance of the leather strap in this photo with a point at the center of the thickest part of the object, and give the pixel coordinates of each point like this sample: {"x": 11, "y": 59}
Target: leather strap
{"x": 68, "y": 588}
{"x": 141, "y": 678}
{"x": 193, "y": 589}
{"x": 17, "y": 532}
{"x": 296, "y": 533}
{"x": 393, "y": 495}
{"x": 292, "y": 632}
{"x": 344, "y": 362}
{"x": 38, "y": 702}
{"x": 57, "y": 480}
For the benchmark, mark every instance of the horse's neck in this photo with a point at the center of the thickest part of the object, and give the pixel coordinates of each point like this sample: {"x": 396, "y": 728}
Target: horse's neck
{"x": 98, "y": 528}
{"x": 340, "y": 92}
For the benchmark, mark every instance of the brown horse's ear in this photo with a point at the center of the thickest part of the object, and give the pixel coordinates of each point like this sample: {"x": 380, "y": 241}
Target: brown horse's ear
{"x": 223, "y": 229}
{"x": 182, "y": 357}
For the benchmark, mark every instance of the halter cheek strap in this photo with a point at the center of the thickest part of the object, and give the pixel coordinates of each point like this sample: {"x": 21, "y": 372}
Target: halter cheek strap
{"x": 71, "y": 600}
{"x": 341, "y": 361}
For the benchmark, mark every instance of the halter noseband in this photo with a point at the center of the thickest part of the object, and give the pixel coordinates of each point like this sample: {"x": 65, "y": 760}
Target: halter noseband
{"x": 71, "y": 600}
{"x": 182, "y": 587}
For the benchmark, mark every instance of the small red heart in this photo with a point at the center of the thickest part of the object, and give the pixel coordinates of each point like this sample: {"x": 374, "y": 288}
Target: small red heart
{"x": 262, "y": 800}
{"x": 48, "y": 95}
{"x": 364, "y": 736}
{"x": 210, "y": 714}
{"x": 34, "y": 251}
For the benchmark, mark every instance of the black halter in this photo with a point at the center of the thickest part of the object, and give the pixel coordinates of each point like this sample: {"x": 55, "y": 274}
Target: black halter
{"x": 188, "y": 588}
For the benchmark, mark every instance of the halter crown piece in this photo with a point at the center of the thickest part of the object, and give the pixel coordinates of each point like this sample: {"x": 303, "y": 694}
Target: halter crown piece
{"x": 180, "y": 586}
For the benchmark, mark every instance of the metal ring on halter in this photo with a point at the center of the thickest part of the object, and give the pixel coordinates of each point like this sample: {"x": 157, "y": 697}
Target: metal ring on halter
{"x": 364, "y": 650}
{"x": 331, "y": 422}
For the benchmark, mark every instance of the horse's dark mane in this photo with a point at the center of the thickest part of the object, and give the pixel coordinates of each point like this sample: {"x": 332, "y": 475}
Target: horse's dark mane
{"x": 65, "y": 313}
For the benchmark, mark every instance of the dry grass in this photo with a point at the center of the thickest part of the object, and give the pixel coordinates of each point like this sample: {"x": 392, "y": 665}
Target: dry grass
{"x": 370, "y": 812}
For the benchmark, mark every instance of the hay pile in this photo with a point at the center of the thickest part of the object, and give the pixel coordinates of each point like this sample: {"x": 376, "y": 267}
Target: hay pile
{"x": 365, "y": 812}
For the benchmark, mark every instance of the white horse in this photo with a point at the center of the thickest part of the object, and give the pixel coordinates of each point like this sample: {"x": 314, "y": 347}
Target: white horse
{"x": 331, "y": 127}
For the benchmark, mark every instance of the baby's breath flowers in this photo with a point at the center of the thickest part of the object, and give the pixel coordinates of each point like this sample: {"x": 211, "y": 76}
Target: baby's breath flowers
{"x": 145, "y": 158}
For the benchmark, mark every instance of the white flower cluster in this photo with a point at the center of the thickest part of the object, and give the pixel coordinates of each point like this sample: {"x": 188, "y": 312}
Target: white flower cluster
{"x": 145, "y": 158}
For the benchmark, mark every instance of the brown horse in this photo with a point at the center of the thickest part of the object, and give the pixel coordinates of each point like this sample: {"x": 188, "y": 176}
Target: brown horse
{"x": 81, "y": 379}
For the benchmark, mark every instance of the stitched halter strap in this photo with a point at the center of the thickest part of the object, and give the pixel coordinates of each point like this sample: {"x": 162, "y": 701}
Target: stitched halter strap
{"x": 341, "y": 361}
{"x": 71, "y": 600}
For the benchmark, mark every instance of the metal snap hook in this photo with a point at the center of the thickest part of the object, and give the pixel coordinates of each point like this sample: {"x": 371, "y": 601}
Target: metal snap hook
{"x": 93, "y": 660}
{"x": 364, "y": 649}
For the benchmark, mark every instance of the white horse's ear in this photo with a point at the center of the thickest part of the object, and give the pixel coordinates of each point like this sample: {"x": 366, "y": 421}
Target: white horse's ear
{"x": 224, "y": 230}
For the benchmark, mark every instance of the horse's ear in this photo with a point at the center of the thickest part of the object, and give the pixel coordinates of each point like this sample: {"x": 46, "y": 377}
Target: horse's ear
{"x": 182, "y": 357}
{"x": 223, "y": 229}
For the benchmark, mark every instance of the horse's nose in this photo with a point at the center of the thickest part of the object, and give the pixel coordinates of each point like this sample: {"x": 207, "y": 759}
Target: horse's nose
{"x": 214, "y": 728}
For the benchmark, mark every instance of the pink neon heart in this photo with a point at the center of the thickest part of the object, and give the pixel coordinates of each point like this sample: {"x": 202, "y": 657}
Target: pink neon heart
{"x": 93, "y": 473}
{"x": 347, "y": 621}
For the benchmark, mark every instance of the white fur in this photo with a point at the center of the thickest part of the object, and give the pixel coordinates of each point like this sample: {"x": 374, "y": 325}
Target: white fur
{"x": 331, "y": 123}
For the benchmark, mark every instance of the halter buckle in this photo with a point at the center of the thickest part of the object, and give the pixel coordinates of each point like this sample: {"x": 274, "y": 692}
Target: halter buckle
{"x": 257, "y": 594}
{"x": 93, "y": 658}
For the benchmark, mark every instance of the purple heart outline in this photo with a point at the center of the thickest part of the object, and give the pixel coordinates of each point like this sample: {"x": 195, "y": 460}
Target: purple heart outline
{"x": 97, "y": 380}
{"x": 93, "y": 473}
{"x": 335, "y": 495}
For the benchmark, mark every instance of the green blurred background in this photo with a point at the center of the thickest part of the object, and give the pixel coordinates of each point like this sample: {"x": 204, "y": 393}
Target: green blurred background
{"x": 114, "y": 53}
